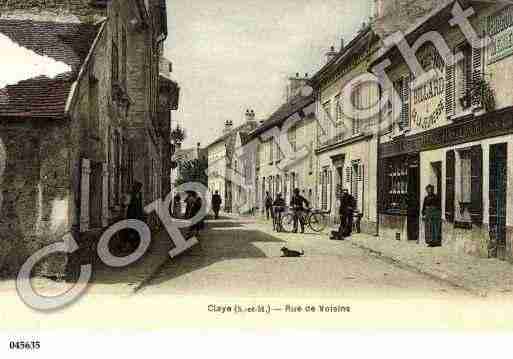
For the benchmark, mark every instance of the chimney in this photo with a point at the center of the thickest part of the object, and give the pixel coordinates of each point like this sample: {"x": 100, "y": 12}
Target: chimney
{"x": 228, "y": 125}
{"x": 295, "y": 85}
{"x": 330, "y": 55}
{"x": 342, "y": 44}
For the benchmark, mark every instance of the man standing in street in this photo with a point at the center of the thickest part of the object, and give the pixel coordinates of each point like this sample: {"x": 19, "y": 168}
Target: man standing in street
{"x": 268, "y": 205}
{"x": 298, "y": 209}
{"x": 346, "y": 212}
{"x": 278, "y": 209}
{"x": 216, "y": 204}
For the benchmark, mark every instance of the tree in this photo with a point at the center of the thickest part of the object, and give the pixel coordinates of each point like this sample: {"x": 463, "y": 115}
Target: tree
{"x": 193, "y": 171}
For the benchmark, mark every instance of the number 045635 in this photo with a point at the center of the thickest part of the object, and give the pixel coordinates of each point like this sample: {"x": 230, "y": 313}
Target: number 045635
{"x": 24, "y": 345}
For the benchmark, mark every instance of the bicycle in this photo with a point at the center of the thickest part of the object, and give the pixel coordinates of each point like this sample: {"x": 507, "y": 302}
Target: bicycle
{"x": 316, "y": 219}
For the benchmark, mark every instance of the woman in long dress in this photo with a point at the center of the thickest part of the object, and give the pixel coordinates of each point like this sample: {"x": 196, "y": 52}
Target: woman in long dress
{"x": 432, "y": 214}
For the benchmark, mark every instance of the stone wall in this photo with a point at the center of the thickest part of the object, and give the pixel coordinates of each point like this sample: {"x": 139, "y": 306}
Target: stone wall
{"x": 36, "y": 191}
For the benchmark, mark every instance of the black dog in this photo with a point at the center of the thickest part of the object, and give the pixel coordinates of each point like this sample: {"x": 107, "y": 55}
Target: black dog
{"x": 291, "y": 253}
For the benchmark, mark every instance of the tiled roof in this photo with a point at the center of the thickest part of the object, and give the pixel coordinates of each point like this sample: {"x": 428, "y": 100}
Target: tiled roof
{"x": 248, "y": 126}
{"x": 282, "y": 113}
{"x": 65, "y": 42}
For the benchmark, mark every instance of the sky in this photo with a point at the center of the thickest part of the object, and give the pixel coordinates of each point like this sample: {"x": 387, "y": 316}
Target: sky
{"x": 231, "y": 55}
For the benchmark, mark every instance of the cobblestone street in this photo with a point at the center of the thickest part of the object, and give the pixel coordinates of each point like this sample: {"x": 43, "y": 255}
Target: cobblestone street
{"x": 241, "y": 257}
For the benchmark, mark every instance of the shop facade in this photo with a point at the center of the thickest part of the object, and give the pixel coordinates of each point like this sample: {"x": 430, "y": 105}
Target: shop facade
{"x": 448, "y": 134}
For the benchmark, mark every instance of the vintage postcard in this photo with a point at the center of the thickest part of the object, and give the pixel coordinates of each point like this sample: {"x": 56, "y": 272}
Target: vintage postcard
{"x": 241, "y": 164}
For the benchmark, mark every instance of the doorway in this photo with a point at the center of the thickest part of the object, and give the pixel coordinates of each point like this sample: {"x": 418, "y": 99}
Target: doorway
{"x": 498, "y": 192}
{"x": 413, "y": 201}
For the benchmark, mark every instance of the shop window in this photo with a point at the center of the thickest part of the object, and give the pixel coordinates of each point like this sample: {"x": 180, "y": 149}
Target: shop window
{"x": 395, "y": 185}
{"x": 469, "y": 187}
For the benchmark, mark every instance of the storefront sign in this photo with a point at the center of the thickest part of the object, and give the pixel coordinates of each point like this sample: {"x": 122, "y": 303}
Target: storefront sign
{"x": 500, "y": 30}
{"x": 492, "y": 124}
{"x": 428, "y": 91}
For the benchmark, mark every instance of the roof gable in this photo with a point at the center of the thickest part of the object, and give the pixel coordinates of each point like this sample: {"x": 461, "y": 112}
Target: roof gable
{"x": 40, "y": 96}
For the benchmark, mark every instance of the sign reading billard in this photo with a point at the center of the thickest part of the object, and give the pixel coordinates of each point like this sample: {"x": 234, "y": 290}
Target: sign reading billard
{"x": 428, "y": 100}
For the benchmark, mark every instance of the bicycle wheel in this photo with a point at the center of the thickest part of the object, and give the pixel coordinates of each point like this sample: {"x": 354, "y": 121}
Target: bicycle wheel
{"x": 317, "y": 222}
{"x": 287, "y": 222}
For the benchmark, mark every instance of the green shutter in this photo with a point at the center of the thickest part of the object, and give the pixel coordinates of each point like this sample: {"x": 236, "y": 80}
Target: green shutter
{"x": 449, "y": 186}
{"x": 476, "y": 207}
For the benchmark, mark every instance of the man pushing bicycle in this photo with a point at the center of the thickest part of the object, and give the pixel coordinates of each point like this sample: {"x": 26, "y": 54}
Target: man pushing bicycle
{"x": 296, "y": 203}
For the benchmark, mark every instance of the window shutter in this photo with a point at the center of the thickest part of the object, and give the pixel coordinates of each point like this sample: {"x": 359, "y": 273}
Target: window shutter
{"x": 449, "y": 186}
{"x": 476, "y": 208}
{"x": 477, "y": 72}
{"x": 360, "y": 188}
{"x": 449, "y": 90}
{"x": 405, "y": 96}
{"x": 348, "y": 174}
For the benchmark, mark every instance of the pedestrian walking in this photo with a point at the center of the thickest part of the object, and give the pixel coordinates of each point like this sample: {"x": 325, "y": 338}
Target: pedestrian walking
{"x": 177, "y": 206}
{"x": 278, "y": 209}
{"x": 134, "y": 211}
{"x": 432, "y": 216}
{"x": 268, "y": 205}
{"x": 346, "y": 213}
{"x": 296, "y": 203}
{"x": 216, "y": 204}
{"x": 189, "y": 204}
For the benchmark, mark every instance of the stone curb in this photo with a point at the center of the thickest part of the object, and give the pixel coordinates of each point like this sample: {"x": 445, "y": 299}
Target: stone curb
{"x": 404, "y": 264}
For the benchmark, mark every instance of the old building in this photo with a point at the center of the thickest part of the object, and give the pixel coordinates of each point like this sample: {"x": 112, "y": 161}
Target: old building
{"x": 76, "y": 139}
{"x": 283, "y": 147}
{"x": 454, "y": 131}
{"x": 346, "y": 143}
{"x": 169, "y": 94}
{"x": 222, "y": 162}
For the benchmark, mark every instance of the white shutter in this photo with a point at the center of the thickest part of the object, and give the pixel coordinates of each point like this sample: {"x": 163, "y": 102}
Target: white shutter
{"x": 477, "y": 71}
{"x": 360, "y": 188}
{"x": 85, "y": 177}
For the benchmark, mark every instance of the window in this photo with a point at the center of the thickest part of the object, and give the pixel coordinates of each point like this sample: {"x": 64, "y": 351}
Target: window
{"x": 464, "y": 78}
{"x": 327, "y": 123}
{"x": 271, "y": 150}
{"x": 258, "y": 156}
{"x": 339, "y": 121}
{"x": 356, "y": 101}
{"x": 277, "y": 150}
{"x": 292, "y": 134}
